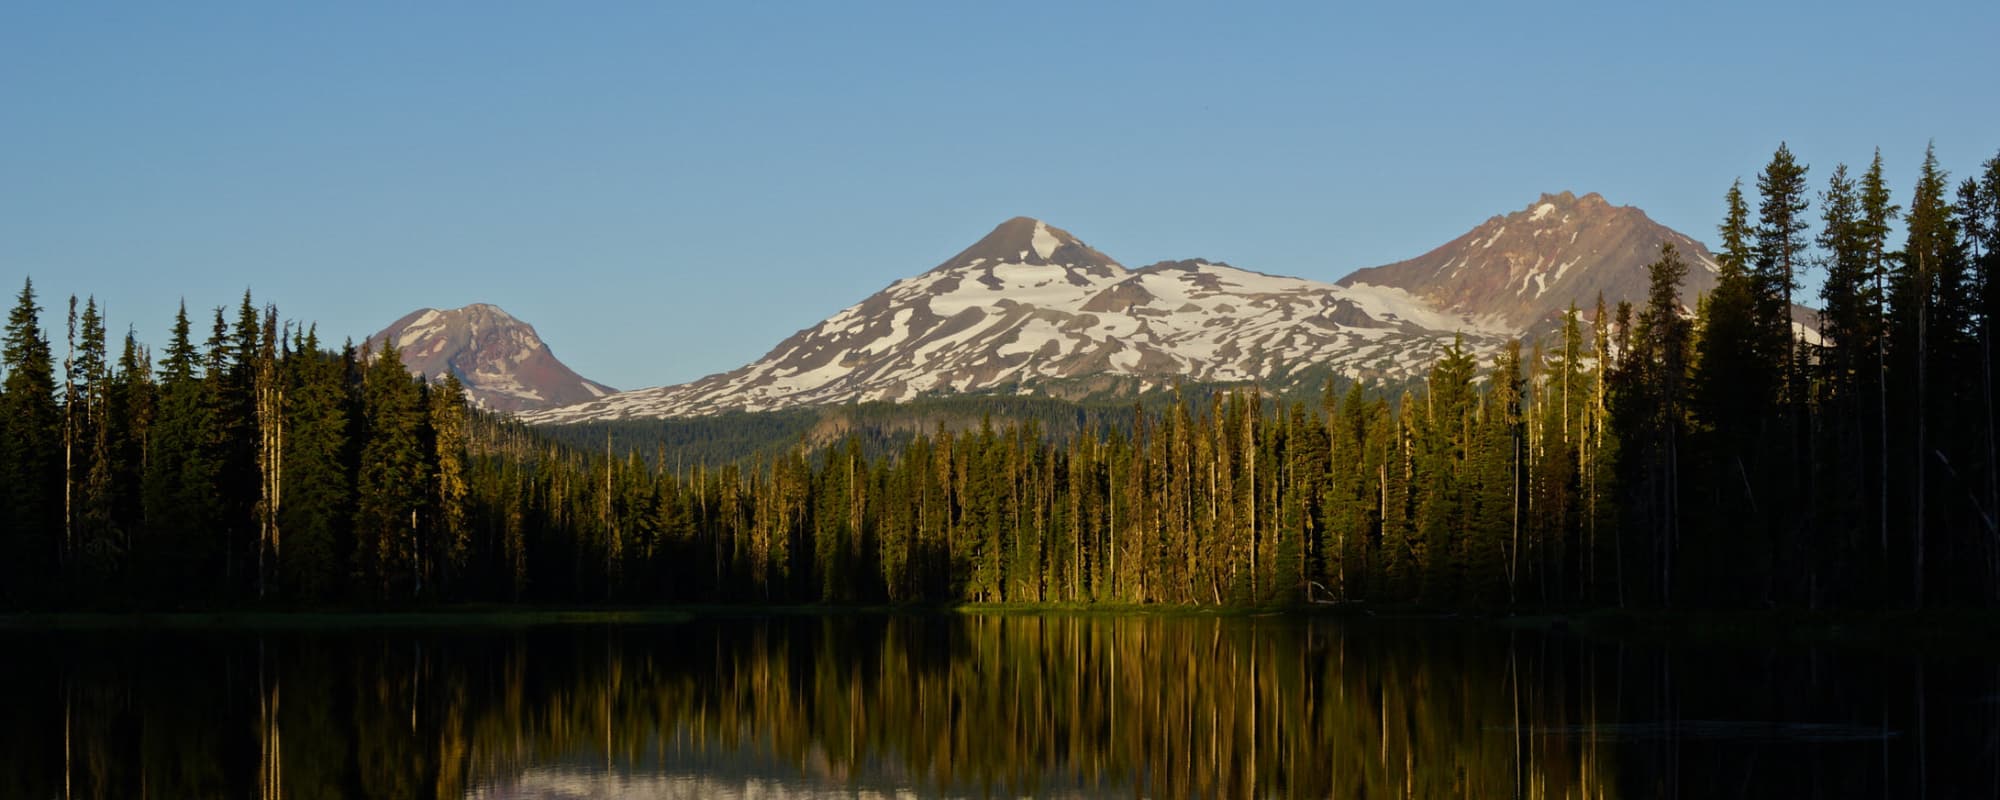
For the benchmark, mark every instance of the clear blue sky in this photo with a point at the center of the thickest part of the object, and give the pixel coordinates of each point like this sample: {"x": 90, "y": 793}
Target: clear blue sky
{"x": 668, "y": 189}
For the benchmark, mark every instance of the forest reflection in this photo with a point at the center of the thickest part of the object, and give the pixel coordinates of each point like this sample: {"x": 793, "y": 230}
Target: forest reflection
{"x": 1047, "y": 706}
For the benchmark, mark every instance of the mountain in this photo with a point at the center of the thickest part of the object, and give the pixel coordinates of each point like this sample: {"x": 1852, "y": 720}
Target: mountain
{"x": 503, "y": 363}
{"x": 1031, "y": 308}
{"x": 1523, "y": 269}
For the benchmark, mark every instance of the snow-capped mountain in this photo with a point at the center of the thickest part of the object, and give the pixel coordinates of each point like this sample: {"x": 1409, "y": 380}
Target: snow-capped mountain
{"x": 1031, "y": 308}
{"x": 1031, "y": 305}
{"x": 502, "y": 362}
{"x": 1527, "y": 267}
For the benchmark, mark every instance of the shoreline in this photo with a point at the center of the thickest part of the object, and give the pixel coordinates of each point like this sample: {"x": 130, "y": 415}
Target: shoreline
{"x": 1950, "y": 629}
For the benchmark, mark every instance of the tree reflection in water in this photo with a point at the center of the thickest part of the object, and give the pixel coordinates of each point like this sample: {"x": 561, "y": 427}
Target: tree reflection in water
{"x": 1152, "y": 705}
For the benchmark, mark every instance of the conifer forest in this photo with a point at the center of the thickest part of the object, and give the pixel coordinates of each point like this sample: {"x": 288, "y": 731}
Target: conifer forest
{"x": 1728, "y": 450}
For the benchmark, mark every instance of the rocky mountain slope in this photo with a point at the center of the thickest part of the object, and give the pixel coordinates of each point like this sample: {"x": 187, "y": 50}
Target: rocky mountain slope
{"x": 1524, "y": 268}
{"x": 503, "y": 363}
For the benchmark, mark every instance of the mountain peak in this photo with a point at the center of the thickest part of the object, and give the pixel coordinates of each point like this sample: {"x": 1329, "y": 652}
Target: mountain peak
{"x": 487, "y": 310}
{"x": 1524, "y": 266}
{"x": 499, "y": 358}
{"x": 1026, "y": 240}
{"x": 1565, "y": 203}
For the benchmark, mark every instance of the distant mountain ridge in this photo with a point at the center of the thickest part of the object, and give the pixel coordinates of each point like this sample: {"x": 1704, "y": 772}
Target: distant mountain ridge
{"x": 501, "y": 360}
{"x": 1030, "y": 308}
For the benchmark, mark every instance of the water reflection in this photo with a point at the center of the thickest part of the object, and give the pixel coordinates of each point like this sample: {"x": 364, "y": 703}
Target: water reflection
{"x": 1059, "y": 706}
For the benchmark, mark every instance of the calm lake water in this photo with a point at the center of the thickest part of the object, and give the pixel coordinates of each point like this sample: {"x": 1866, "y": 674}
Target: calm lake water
{"x": 919, "y": 705}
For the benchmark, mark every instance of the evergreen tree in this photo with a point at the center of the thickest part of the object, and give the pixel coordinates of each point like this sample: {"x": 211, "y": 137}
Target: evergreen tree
{"x": 31, "y": 470}
{"x": 317, "y": 497}
{"x": 1734, "y": 400}
{"x": 1850, "y": 326}
{"x": 128, "y": 430}
{"x": 1849, "y": 311}
{"x": 1780, "y": 249}
{"x": 183, "y": 471}
{"x": 1930, "y": 245}
{"x": 267, "y": 389}
{"x": 1656, "y": 369}
{"x": 91, "y": 469}
{"x": 390, "y": 487}
{"x": 1979, "y": 209}
{"x": 1872, "y": 230}
{"x": 1496, "y": 541}
{"x": 447, "y": 421}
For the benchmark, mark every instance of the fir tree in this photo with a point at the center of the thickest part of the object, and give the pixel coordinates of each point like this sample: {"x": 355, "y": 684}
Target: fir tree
{"x": 131, "y": 402}
{"x": 390, "y": 485}
{"x": 31, "y": 470}
{"x": 89, "y": 407}
{"x": 317, "y": 499}
{"x": 447, "y": 422}
{"x": 183, "y": 473}
{"x": 1872, "y": 230}
{"x": 1931, "y": 242}
{"x": 1850, "y": 325}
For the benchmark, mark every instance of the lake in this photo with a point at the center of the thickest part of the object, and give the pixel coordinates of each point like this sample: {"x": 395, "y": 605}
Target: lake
{"x": 922, "y": 705}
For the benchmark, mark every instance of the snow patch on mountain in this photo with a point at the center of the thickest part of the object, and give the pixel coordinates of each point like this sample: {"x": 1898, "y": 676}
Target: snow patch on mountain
{"x": 1044, "y": 243}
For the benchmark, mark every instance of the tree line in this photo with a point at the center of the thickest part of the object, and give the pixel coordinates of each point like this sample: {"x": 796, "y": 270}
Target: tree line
{"x": 256, "y": 465}
{"x": 1677, "y": 451}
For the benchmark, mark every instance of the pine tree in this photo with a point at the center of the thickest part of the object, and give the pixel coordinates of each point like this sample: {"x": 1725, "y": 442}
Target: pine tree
{"x": 1872, "y": 229}
{"x": 1734, "y": 399}
{"x": 132, "y": 403}
{"x": 390, "y": 487}
{"x": 1781, "y": 259}
{"x": 317, "y": 503}
{"x": 89, "y": 408}
{"x": 1657, "y": 364}
{"x": 447, "y": 413}
{"x": 1780, "y": 249}
{"x": 267, "y": 389}
{"x": 1979, "y": 209}
{"x": 31, "y": 475}
{"x": 1496, "y": 542}
{"x": 1930, "y": 244}
{"x": 1850, "y": 327}
{"x": 1848, "y": 314}
{"x": 182, "y": 474}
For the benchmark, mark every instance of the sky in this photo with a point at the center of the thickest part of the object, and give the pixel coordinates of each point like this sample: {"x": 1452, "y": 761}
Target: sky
{"x": 667, "y": 190}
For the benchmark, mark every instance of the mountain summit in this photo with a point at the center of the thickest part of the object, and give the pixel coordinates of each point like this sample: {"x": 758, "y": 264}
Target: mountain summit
{"x": 1525, "y": 267}
{"x": 1026, "y": 240}
{"x": 502, "y": 362}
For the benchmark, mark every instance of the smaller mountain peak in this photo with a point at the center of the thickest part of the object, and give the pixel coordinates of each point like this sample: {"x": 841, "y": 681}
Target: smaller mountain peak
{"x": 499, "y": 358}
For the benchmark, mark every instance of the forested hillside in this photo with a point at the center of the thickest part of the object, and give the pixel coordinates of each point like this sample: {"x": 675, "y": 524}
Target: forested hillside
{"x": 884, "y": 428}
{"x": 1686, "y": 451}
